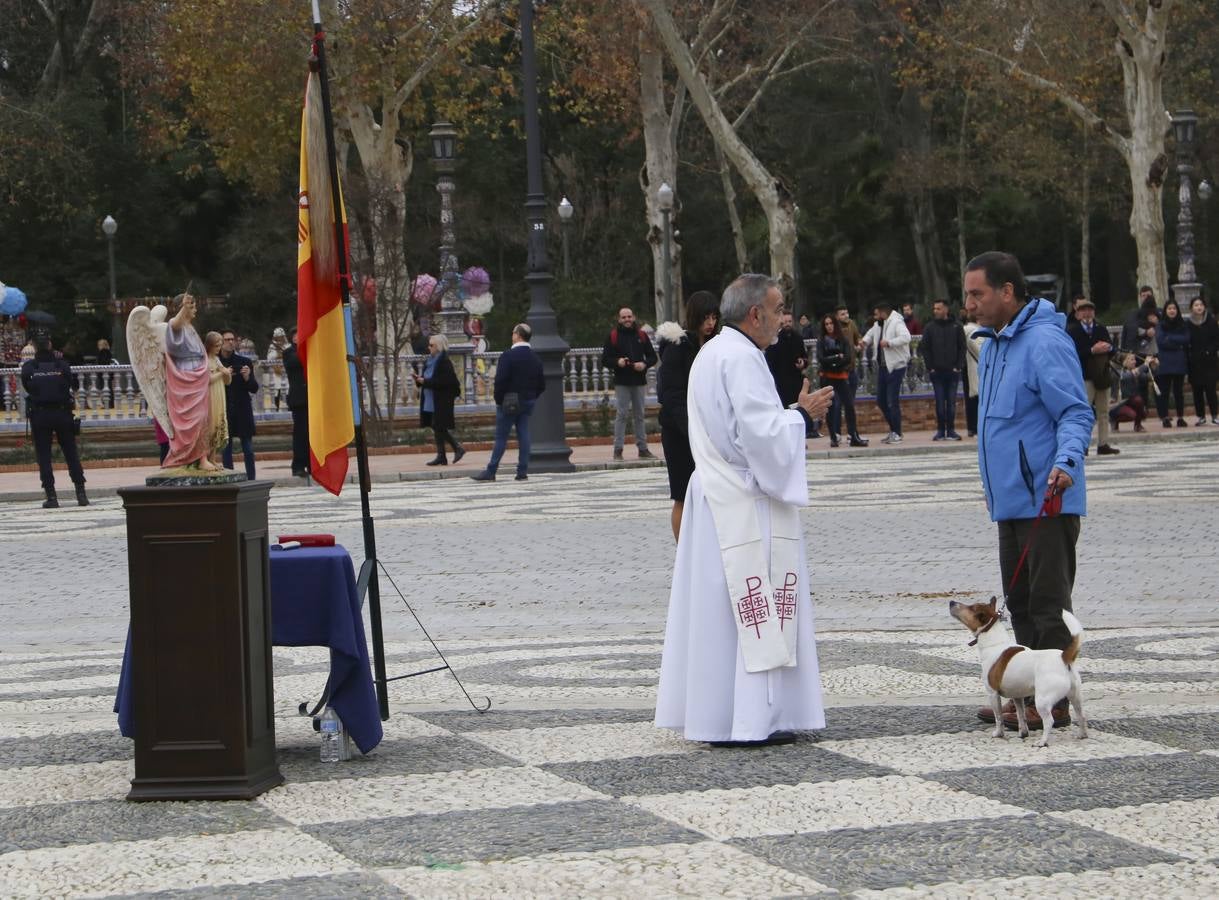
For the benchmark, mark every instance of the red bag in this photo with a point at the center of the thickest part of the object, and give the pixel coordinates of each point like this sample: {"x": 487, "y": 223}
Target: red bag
{"x": 309, "y": 540}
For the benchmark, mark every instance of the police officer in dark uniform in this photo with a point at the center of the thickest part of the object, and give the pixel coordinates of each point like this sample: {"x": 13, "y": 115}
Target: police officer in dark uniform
{"x": 298, "y": 403}
{"x": 47, "y": 380}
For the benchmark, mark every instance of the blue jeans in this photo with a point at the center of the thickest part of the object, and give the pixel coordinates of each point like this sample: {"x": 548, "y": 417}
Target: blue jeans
{"x": 247, "y": 450}
{"x": 945, "y": 383}
{"x": 504, "y": 424}
{"x": 888, "y": 396}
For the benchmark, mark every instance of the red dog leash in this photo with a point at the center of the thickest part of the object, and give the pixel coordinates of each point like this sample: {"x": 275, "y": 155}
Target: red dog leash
{"x": 1051, "y": 507}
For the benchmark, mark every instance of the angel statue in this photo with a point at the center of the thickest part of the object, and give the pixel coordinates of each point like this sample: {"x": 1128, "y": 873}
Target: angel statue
{"x": 171, "y": 364}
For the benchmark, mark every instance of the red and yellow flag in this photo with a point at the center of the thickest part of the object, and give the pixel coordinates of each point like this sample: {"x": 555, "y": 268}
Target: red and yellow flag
{"x": 321, "y": 333}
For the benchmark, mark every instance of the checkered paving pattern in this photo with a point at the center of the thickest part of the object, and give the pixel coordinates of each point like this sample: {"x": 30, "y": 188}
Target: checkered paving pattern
{"x": 562, "y": 790}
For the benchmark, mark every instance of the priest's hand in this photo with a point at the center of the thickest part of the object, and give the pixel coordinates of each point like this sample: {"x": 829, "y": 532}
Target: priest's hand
{"x": 815, "y": 403}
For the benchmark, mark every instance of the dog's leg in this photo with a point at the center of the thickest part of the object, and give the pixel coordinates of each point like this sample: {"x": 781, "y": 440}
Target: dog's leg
{"x": 1045, "y": 707}
{"x": 1077, "y": 705}
{"x": 996, "y": 703}
{"x": 1021, "y": 723}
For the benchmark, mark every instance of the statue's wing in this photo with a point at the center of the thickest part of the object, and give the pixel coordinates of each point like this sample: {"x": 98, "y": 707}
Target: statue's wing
{"x": 146, "y": 344}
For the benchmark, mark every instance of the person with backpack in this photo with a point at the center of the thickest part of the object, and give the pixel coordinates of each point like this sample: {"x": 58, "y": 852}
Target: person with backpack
{"x": 629, "y": 354}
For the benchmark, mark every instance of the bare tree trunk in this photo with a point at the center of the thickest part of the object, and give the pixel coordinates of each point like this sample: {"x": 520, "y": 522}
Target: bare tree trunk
{"x": 734, "y": 215}
{"x": 1085, "y": 235}
{"x": 962, "y": 254}
{"x": 660, "y": 126}
{"x": 926, "y": 237}
{"x": 776, "y": 202}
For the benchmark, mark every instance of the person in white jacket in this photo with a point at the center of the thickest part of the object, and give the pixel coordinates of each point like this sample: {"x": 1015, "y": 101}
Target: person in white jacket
{"x": 888, "y": 340}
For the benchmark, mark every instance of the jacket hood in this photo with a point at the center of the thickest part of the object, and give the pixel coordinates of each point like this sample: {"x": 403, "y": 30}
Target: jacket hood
{"x": 670, "y": 331}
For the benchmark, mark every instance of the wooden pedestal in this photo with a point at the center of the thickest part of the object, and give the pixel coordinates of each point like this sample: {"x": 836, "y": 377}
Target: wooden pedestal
{"x": 201, "y": 642}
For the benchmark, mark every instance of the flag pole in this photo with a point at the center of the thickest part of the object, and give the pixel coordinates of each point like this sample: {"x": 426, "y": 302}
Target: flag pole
{"x": 370, "y": 536}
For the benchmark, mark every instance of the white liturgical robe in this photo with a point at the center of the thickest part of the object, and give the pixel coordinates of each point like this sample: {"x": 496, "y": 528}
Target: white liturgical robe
{"x": 709, "y": 689}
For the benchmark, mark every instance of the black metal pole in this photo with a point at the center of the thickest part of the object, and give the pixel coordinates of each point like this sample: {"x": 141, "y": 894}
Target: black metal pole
{"x": 550, "y": 452}
{"x": 370, "y": 535}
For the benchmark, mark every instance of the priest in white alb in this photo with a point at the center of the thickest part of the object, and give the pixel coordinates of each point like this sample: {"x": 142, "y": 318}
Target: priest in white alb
{"x": 740, "y": 657}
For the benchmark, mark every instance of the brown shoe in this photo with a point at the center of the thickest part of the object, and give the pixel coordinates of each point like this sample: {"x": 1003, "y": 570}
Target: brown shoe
{"x": 987, "y": 715}
{"x": 617, "y": 454}
{"x": 645, "y": 453}
{"x": 1061, "y": 715}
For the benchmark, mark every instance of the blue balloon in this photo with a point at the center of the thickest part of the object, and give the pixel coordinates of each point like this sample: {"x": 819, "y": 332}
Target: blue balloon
{"x": 14, "y": 302}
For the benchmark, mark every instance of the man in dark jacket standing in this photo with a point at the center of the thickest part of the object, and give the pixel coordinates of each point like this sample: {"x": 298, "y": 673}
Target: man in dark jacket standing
{"x": 787, "y": 358}
{"x": 943, "y": 350}
{"x": 298, "y": 405}
{"x": 1093, "y": 348}
{"x": 238, "y": 405}
{"x": 47, "y": 380}
{"x": 518, "y": 383}
{"x": 629, "y": 354}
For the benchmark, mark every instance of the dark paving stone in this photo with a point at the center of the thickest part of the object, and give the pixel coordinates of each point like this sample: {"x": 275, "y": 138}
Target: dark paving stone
{"x": 1125, "y": 781}
{"x": 853, "y": 859}
{"x": 1125, "y": 647}
{"x": 404, "y": 756}
{"x": 837, "y": 654}
{"x": 105, "y": 821}
{"x": 716, "y": 768}
{"x": 354, "y": 884}
{"x": 65, "y": 749}
{"x": 507, "y": 720}
{"x": 1188, "y": 732}
{"x": 488, "y": 834}
{"x": 509, "y": 672}
{"x": 843, "y": 723}
{"x": 35, "y": 693}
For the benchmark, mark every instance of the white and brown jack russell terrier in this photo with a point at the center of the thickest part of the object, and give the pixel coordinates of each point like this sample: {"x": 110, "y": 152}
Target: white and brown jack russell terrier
{"x": 1014, "y": 671}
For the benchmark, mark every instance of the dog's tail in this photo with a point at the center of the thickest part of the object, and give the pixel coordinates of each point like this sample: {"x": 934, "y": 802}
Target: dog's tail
{"x": 1077, "y": 637}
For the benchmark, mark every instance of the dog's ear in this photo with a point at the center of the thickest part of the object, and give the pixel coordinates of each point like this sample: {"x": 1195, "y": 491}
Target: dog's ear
{"x": 993, "y": 602}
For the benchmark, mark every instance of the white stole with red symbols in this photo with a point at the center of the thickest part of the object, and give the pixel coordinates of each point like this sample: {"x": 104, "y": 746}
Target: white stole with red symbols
{"x": 762, "y": 590}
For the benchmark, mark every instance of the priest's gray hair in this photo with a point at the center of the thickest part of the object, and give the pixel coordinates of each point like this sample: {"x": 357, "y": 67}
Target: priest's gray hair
{"x": 742, "y": 295}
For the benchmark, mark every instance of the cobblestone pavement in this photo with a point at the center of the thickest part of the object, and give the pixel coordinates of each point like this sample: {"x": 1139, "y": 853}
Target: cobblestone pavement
{"x": 549, "y": 598}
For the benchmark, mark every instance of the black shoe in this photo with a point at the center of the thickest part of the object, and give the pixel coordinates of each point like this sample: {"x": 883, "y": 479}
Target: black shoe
{"x": 617, "y": 454}
{"x": 81, "y": 499}
{"x": 939, "y": 436}
{"x": 522, "y": 478}
{"x": 299, "y": 473}
{"x": 833, "y": 440}
{"x": 52, "y": 502}
{"x": 458, "y": 454}
{"x": 484, "y": 475}
{"x": 645, "y": 453}
{"x": 1106, "y": 450}
{"x": 775, "y": 739}
{"x": 1167, "y": 423}
{"x": 857, "y": 441}
{"x": 438, "y": 461}
{"x": 952, "y": 436}
{"x": 1181, "y": 423}
{"x": 813, "y": 434}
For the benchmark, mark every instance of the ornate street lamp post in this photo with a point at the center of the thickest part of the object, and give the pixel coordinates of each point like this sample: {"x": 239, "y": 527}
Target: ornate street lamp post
{"x": 550, "y": 452}
{"x": 444, "y": 159}
{"x": 1185, "y": 130}
{"x": 664, "y": 199}
{"x": 118, "y": 333}
{"x": 565, "y": 213}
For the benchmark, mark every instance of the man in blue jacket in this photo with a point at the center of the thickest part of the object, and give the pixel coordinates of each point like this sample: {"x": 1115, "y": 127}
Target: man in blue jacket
{"x": 518, "y": 382}
{"x": 1034, "y": 424}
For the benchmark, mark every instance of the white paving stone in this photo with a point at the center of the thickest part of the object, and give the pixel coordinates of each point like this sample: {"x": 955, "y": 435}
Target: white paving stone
{"x": 109, "y": 681}
{"x": 164, "y": 864}
{"x": 585, "y": 743}
{"x": 32, "y": 785}
{"x": 1207, "y": 644}
{"x": 1181, "y": 881}
{"x": 313, "y": 802}
{"x": 820, "y": 807}
{"x": 884, "y": 681}
{"x": 919, "y": 754}
{"x": 706, "y": 869}
{"x": 1188, "y": 828}
{"x": 604, "y": 669}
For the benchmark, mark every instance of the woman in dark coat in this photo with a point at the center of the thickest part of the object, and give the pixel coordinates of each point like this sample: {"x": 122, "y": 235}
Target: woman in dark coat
{"x": 835, "y": 359}
{"x": 440, "y": 391}
{"x": 678, "y": 348}
{"x": 1172, "y": 342}
{"x": 1203, "y": 359}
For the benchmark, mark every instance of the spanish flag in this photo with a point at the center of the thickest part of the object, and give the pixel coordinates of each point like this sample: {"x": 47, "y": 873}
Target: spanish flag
{"x": 320, "y": 318}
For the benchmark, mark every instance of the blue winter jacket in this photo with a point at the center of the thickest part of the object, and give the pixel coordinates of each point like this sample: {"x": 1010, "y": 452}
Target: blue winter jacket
{"x": 1033, "y": 414}
{"x": 1173, "y": 345}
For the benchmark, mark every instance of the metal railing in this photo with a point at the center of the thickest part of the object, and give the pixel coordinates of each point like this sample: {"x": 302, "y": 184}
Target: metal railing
{"x": 111, "y": 395}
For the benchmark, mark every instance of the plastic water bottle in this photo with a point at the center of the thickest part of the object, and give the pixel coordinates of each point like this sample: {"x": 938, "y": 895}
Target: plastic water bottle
{"x": 331, "y": 727}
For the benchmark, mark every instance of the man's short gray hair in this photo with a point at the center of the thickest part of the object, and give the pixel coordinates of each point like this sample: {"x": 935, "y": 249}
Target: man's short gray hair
{"x": 746, "y": 292}
{"x": 523, "y": 331}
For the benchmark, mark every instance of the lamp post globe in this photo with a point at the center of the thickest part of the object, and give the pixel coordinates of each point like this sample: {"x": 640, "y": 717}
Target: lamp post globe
{"x": 566, "y": 211}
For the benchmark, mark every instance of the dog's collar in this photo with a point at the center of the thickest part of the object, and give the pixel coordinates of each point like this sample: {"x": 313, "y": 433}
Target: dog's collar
{"x": 985, "y": 628}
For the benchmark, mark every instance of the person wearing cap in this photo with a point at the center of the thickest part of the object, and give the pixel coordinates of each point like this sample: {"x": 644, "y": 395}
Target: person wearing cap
{"x": 1093, "y": 345}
